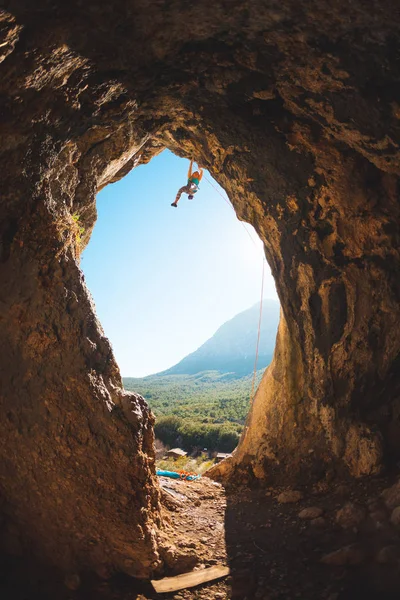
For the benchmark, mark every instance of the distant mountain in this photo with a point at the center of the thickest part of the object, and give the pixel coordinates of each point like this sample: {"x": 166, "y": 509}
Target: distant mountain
{"x": 232, "y": 348}
{"x": 203, "y": 401}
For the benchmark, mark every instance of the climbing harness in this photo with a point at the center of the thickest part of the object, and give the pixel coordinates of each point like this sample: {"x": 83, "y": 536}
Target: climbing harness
{"x": 193, "y": 187}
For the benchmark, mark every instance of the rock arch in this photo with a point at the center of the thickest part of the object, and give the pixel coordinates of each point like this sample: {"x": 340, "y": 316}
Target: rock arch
{"x": 294, "y": 109}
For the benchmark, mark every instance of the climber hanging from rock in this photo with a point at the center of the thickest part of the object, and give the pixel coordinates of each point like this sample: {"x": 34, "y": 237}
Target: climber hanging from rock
{"x": 192, "y": 184}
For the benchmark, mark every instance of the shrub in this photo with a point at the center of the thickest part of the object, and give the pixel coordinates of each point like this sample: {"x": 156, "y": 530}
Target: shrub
{"x": 173, "y": 430}
{"x": 167, "y": 429}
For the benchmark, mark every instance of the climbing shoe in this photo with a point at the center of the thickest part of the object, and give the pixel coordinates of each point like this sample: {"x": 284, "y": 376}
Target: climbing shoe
{"x": 175, "y": 205}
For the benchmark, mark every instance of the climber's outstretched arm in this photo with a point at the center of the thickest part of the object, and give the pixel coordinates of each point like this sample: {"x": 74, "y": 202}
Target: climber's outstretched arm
{"x": 190, "y": 169}
{"x": 200, "y": 172}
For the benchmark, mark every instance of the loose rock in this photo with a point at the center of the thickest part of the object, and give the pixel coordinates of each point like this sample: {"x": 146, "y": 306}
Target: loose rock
{"x": 312, "y": 512}
{"x": 321, "y": 488}
{"x": 177, "y": 561}
{"x": 351, "y": 515}
{"x": 290, "y": 496}
{"x": 348, "y": 555}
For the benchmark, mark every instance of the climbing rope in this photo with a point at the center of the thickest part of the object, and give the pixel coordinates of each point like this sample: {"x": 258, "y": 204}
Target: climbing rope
{"x": 231, "y": 207}
{"x": 262, "y": 290}
{"x": 258, "y": 335}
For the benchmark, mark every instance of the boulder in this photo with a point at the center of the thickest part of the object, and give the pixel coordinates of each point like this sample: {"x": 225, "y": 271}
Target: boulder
{"x": 176, "y": 561}
{"x": 351, "y": 515}
{"x": 289, "y": 497}
{"x": 353, "y": 554}
{"x": 312, "y": 512}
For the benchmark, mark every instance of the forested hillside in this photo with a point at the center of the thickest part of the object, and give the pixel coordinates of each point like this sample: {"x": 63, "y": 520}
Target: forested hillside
{"x": 203, "y": 401}
{"x": 205, "y": 410}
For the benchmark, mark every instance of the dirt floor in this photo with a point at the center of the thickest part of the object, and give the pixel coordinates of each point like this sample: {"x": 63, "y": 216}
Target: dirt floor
{"x": 273, "y": 553}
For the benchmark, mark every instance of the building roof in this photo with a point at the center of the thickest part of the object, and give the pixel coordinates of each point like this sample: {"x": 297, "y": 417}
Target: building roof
{"x": 177, "y": 451}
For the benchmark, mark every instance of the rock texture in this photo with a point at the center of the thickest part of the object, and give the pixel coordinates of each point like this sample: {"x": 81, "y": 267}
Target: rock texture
{"x": 311, "y": 513}
{"x": 351, "y": 515}
{"x": 289, "y": 497}
{"x": 353, "y": 554}
{"x": 294, "y": 108}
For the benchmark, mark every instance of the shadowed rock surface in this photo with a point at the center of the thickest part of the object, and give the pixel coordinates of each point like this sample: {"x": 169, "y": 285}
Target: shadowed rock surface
{"x": 294, "y": 108}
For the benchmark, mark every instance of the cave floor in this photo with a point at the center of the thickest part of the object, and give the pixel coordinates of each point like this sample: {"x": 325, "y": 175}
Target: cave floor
{"x": 273, "y": 554}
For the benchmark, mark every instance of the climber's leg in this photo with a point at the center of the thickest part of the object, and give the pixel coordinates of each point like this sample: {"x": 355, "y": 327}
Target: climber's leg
{"x": 184, "y": 189}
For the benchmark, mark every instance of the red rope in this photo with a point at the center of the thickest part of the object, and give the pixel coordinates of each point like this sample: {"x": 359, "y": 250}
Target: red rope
{"x": 262, "y": 290}
{"x": 230, "y": 206}
{"x": 258, "y": 335}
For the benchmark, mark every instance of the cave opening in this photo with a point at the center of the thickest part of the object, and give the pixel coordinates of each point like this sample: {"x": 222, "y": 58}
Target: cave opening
{"x": 178, "y": 295}
{"x": 294, "y": 110}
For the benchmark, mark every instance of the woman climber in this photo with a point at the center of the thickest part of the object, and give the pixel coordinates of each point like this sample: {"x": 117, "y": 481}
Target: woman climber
{"x": 192, "y": 184}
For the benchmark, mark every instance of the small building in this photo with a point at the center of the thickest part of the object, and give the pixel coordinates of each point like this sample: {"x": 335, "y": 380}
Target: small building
{"x": 221, "y": 456}
{"x": 176, "y": 453}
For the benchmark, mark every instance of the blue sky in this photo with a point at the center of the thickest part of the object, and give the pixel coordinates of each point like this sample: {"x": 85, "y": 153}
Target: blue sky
{"x": 164, "y": 279}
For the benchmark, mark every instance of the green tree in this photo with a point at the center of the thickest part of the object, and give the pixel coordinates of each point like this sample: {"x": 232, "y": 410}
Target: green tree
{"x": 167, "y": 429}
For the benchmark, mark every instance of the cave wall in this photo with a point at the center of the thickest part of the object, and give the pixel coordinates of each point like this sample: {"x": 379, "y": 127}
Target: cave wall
{"x": 328, "y": 218}
{"x": 77, "y": 467}
{"x": 294, "y": 108}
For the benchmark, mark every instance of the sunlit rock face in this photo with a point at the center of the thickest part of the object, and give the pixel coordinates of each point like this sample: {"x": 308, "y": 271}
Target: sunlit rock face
{"x": 294, "y": 108}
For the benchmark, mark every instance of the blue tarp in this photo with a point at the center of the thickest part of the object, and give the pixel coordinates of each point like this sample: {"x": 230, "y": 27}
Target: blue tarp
{"x": 175, "y": 475}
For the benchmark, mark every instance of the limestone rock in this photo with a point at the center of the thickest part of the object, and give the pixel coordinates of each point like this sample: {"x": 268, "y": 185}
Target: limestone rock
{"x": 289, "y": 497}
{"x": 351, "y": 515}
{"x": 353, "y": 554}
{"x": 312, "y": 512}
{"x": 264, "y": 94}
{"x": 176, "y": 561}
